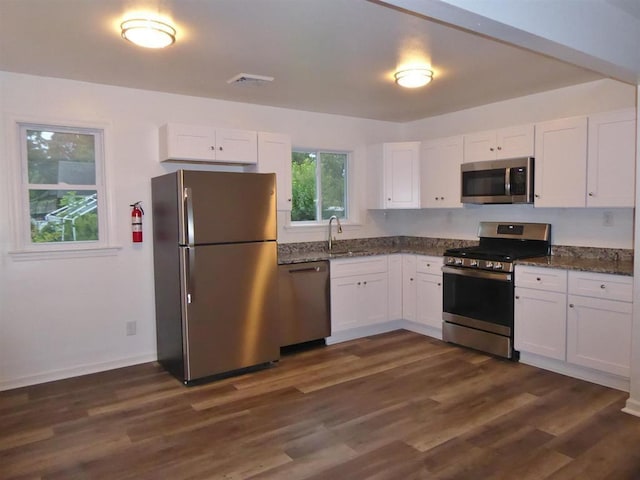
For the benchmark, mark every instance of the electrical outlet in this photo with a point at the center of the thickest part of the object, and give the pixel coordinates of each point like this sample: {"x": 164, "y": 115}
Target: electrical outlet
{"x": 607, "y": 219}
{"x": 131, "y": 328}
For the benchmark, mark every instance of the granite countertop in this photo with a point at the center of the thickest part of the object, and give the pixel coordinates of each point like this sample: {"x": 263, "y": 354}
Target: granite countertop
{"x": 596, "y": 265}
{"x": 587, "y": 259}
{"x": 317, "y": 251}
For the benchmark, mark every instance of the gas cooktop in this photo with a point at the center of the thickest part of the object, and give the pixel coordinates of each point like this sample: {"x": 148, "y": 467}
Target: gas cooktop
{"x": 502, "y": 243}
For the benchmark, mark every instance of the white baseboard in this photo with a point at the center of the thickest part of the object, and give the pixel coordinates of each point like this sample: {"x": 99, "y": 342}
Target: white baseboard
{"x": 632, "y": 407}
{"x": 422, "y": 329}
{"x": 576, "y": 371}
{"x": 76, "y": 371}
{"x": 359, "y": 332}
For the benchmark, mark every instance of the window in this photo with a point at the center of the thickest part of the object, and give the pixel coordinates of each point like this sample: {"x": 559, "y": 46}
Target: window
{"x": 319, "y": 181}
{"x": 62, "y": 187}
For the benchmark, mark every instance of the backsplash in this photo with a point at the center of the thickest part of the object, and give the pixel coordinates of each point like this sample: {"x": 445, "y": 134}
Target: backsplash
{"x": 400, "y": 243}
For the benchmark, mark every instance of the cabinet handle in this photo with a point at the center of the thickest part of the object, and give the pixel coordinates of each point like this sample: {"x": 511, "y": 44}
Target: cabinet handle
{"x": 364, "y": 283}
{"x": 212, "y": 147}
{"x": 220, "y": 148}
{"x": 591, "y": 194}
{"x": 603, "y": 286}
{"x": 359, "y": 283}
{"x": 436, "y": 198}
{"x": 537, "y": 196}
{"x": 441, "y": 198}
{"x": 499, "y": 148}
{"x": 517, "y": 297}
{"x": 538, "y": 279}
{"x": 288, "y": 199}
{"x": 571, "y": 305}
{"x": 389, "y": 199}
{"x": 439, "y": 284}
{"x": 428, "y": 264}
{"x": 491, "y": 149}
{"x": 411, "y": 279}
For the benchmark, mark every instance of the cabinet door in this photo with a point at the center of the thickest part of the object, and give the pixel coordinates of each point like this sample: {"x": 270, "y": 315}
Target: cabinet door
{"x": 409, "y": 283}
{"x": 372, "y": 302}
{"x": 236, "y": 146}
{"x": 480, "y": 146}
{"x": 274, "y": 156}
{"x": 345, "y": 304}
{"x": 540, "y": 322}
{"x": 194, "y": 143}
{"x": 611, "y": 164}
{"x": 401, "y": 175}
{"x": 599, "y": 334}
{"x": 515, "y": 142}
{"x": 440, "y": 173}
{"x": 561, "y": 163}
{"x": 429, "y": 300}
{"x": 395, "y": 286}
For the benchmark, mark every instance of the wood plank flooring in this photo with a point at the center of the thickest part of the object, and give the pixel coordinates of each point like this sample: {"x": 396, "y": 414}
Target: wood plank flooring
{"x": 394, "y": 406}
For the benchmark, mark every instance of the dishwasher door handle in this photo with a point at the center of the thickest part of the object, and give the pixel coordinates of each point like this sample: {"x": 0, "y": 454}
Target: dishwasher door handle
{"x": 306, "y": 269}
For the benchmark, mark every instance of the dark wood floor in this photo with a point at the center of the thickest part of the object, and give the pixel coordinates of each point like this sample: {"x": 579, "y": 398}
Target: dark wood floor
{"x": 394, "y": 406}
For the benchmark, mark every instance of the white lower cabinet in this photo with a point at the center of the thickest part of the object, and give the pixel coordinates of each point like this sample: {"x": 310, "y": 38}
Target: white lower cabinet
{"x": 540, "y": 322}
{"x": 422, "y": 290}
{"x": 599, "y": 325}
{"x": 359, "y": 292}
{"x": 581, "y": 318}
{"x": 395, "y": 286}
{"x": 409, "y": 290}
{"x": 429, "y": 291}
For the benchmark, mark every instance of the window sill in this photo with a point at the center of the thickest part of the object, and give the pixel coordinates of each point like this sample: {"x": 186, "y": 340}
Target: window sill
{"x": 58, "y": 254}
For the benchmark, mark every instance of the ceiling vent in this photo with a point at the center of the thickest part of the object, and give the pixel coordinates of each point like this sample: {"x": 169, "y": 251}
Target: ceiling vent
{"x": 249, "y": 79}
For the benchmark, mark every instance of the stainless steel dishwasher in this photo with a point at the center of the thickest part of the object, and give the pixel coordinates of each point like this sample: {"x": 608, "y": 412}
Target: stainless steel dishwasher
{"x": 305, "y": 311}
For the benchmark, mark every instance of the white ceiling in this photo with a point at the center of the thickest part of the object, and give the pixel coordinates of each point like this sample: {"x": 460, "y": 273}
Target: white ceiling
{"x": 331, "y": 56}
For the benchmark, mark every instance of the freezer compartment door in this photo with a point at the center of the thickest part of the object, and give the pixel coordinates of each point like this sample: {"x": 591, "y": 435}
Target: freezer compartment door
{"x": 231, "y": 304}
{"x": 225, "y": 207}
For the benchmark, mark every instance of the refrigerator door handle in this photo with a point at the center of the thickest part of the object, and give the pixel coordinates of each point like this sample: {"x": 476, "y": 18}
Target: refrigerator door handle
{"x": 191, "y": 266}
{"x": 188, "y": 203}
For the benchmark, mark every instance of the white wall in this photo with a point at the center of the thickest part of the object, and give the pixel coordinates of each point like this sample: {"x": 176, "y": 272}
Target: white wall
{"x": 62, "y": 317}
{"x": 571, "y": 226}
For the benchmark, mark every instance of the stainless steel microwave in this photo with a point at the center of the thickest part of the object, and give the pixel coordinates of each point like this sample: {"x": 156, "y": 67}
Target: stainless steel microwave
{"x": 498, "y": 181}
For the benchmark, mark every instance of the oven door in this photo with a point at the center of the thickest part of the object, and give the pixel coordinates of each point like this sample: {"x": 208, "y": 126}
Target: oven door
{"x": 478, "y": 299}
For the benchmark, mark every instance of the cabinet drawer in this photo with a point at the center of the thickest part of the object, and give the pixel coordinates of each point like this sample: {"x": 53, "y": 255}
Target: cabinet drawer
{"x": 345, "y": 267}
{"x": 427, "y": 264}
{"x": 541, "y": 278}
{"x": 601, "y": 285}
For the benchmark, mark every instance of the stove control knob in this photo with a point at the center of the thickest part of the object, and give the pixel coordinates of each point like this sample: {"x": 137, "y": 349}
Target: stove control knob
{"x": 489, "y": 265}
{"x": 458, "y": 261}
{"x": 474, "y": 263}
{"x": 449, "y": 260}
{"x": 497, "y": 266}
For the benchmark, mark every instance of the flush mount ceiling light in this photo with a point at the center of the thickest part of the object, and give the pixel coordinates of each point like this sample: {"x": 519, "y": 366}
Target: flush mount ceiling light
{"x": 148, "y": 33}
{"x": 413, "y": 77}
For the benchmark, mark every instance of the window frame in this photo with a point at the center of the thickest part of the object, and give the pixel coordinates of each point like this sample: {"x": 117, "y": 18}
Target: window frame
{"x": 349, "y": 218}
{"x": 23, "y": 246}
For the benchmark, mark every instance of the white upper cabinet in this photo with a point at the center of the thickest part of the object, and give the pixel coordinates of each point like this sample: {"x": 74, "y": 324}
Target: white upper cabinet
{"x": 394, "y": 175}
{"x": 561, "y": 163}
{"x": 198, "y": 143}
{"x": 274, "y": 156}
{"x": 440, "y": 172}
{"x": 611, "y": 161}
{"x": 499, "y": 144}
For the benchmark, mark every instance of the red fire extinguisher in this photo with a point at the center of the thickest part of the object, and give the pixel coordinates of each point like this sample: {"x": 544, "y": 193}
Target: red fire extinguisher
{"x": 136, "y": 221}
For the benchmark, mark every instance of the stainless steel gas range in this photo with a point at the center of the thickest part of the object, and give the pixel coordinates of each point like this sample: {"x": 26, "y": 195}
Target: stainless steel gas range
{"x": 478, "y": 285}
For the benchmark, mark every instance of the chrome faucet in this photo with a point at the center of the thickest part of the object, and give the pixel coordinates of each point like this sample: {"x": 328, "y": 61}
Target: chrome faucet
{"x": 331, "y": 219}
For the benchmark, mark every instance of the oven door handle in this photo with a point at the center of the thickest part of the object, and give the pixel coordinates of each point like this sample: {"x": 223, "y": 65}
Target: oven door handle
{"x": 467, "y": 272}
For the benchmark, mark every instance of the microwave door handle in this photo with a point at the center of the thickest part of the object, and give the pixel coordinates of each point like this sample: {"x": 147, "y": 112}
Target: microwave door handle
{"x": 507, "y": 181}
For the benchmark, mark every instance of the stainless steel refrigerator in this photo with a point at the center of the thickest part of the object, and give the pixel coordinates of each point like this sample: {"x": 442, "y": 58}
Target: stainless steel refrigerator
{"x": 216, "y": 274}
